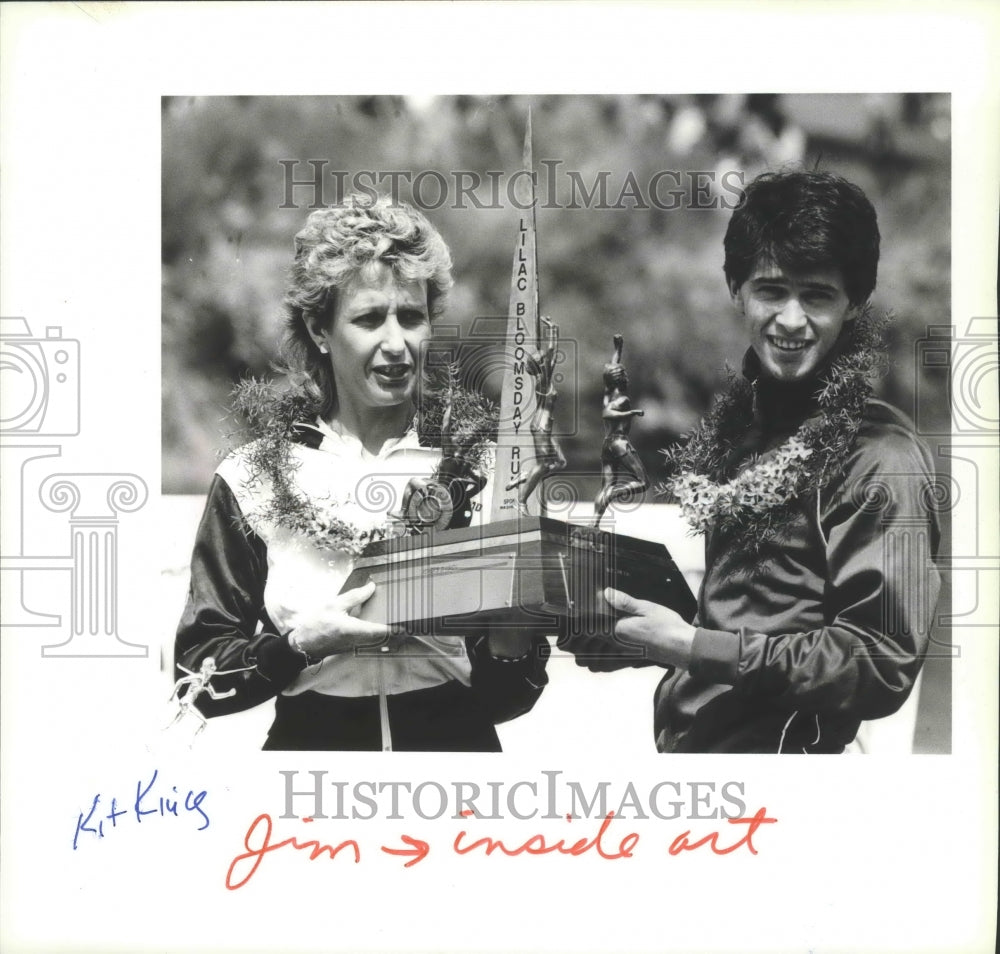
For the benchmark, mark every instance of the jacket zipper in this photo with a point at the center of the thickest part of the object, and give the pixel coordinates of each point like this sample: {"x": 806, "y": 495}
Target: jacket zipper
{"x": 383, "y": 707}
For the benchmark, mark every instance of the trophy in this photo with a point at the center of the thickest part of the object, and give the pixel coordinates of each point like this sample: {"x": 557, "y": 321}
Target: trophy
{"x": 622, "y": 473}
{"x": 548, "y": 458}
{"x": 442, "y": 501}
{"x": 520, "y": 568}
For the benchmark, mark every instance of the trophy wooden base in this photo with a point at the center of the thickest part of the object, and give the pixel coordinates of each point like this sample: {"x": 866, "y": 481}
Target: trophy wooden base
{"x": 527, "y": 572}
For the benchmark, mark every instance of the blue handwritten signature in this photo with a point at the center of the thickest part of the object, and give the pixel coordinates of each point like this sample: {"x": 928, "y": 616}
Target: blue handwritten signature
{"x": 146, "y": 803}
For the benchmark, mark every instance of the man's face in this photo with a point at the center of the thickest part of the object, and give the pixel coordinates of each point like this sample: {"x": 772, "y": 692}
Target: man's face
{"x": 793, "y": 318}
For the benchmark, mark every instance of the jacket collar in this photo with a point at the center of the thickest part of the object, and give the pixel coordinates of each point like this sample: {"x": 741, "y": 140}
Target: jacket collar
{"x": 319, "y": 435}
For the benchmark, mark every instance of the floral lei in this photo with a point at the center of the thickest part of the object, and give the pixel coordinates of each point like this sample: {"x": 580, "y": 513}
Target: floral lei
{"x": 272, "y": 416}
{"x": 760, "y": 500}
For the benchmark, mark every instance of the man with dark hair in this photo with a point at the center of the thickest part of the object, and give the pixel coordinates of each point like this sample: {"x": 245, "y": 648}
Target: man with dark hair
{"x": 820, "y": 583}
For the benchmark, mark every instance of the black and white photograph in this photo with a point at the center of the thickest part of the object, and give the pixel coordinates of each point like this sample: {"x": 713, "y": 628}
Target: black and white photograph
{"x": 774, "y": 378}
{"x": 459, "y": 460}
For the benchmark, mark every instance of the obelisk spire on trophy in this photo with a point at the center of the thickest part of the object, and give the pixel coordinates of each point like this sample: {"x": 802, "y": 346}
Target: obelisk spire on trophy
{"x": 517, "y": 398}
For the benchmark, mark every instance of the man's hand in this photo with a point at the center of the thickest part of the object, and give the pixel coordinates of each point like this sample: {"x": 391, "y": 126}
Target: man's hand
{"x": 667, "y": 638}
{"x": 330, "y": 625}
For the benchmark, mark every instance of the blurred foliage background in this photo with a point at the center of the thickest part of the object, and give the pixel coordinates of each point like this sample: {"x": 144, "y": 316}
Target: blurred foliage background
{"x": 653, "y": 274}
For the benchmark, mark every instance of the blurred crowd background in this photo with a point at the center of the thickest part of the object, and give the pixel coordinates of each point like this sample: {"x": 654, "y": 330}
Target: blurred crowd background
{"x": 610, "y": 260}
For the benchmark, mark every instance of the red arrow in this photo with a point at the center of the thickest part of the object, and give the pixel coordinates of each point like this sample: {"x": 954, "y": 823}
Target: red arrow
{"x": 418, "y": 849}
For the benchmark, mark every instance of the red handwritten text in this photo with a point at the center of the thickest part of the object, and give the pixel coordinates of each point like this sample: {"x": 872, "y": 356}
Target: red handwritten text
{"x": 256, "y": 854}
{"x": 418, "y": 848}
{"x": 257, "y": 843}
{"x": 681, "y": 843}
{"x": 537, "y": 845}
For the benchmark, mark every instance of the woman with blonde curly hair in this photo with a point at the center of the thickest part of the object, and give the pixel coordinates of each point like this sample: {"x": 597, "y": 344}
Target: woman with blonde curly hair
{"x": 288, "y": 512}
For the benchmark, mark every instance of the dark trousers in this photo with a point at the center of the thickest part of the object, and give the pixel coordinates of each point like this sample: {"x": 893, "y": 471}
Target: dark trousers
{"x": 445, "y": 718}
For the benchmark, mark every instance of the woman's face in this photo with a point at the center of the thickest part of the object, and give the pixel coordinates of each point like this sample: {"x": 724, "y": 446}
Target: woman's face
{"x": 375, "y": 340}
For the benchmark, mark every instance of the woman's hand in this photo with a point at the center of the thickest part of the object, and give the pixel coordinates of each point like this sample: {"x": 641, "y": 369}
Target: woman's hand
{"x": 331, "y": 625}
{"x": 666, "y": 637}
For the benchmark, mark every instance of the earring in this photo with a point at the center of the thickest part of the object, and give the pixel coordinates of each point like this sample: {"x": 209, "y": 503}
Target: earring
{"x": 323, "y": 349}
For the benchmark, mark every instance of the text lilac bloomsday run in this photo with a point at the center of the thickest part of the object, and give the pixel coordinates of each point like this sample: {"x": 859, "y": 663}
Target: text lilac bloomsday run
{"x": 310, "y": 184}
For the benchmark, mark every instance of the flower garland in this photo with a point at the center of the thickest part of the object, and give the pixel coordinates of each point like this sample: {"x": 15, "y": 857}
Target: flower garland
{"x": 272, "y": 418}
{"x": 754, "y": 505}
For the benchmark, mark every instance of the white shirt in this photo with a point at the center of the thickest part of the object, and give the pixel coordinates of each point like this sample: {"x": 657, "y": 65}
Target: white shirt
{"x": 346, "y": 481}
